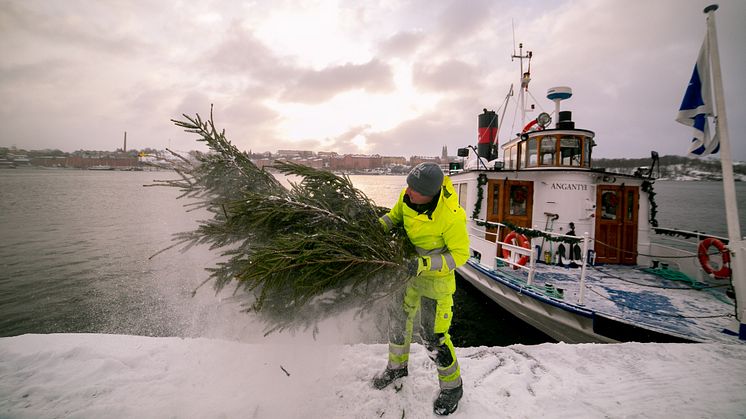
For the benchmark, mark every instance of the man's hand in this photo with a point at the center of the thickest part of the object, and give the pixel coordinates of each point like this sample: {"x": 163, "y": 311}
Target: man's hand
{"x": 416, "y": 265}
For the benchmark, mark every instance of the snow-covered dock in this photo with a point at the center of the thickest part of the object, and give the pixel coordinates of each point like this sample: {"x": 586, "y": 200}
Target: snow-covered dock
{"x": 114, "y": 376}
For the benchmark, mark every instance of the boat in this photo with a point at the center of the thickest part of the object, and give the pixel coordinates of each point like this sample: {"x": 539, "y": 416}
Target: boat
{"x": 576, "y": 251}
{"x": 101, "y": 167}
{"x": 7, "y": 164}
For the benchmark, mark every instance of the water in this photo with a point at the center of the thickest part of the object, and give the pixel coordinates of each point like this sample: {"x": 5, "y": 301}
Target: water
{"x": 75, "y": 248}
{"x": 697, "y": 206}
{"x": 74, "y": 253}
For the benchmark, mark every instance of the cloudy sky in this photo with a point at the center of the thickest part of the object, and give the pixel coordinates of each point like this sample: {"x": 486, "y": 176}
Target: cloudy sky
{"x": 393, "y": 77}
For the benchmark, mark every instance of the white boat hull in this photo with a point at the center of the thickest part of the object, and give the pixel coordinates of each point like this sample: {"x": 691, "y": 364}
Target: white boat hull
{"x": 562, "y": 324}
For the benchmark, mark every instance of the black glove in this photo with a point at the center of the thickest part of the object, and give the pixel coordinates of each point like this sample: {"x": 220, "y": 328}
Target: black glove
{"x": 415, "y": 266}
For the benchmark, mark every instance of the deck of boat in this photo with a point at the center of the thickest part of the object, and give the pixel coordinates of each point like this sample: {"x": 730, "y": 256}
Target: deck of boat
{"x": 632, "y": 302}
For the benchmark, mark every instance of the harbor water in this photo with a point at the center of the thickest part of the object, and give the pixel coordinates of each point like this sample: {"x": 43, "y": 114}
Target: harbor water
{"x": 75, "y": 251}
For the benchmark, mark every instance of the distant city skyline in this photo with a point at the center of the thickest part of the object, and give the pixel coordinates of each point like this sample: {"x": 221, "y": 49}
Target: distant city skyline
{"x": 252, "y": 152}
{"x": 375, "y": 77}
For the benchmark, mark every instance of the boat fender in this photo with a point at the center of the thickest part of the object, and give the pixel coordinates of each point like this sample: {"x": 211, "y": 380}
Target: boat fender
{"x": 704, "y": 259}
{"x": 519, "y": 240}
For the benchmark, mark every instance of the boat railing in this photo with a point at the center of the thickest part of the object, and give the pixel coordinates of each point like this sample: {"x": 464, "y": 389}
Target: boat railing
{"x": 586, "y": 240}
{"x": 687, "y": 239}
{"x": 480, "y": 234}
{"x": 678, "y": 249}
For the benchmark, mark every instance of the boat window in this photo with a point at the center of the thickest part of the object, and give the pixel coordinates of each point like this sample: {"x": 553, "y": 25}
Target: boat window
{"x": 570, "y": 151}
{"x": 518, "y": 199}
{"x": 514, "y": 157}
{"x": 609, "y": 205}
{"x": 507, "y": 160}
{"x": 495, "y": 199}
{"x": 630, "y": 205}
{"x": 588, "y": 147}
{"x": 548, "y": 150}
{"x": 532, "y": 149}
{"x": 462, "y": 194}
{"x": 521, "y": 162}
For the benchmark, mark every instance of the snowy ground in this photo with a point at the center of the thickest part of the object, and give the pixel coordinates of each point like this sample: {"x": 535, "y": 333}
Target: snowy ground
{"x": 114, "y": 376}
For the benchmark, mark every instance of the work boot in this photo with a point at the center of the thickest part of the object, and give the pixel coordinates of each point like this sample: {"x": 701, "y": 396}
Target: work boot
{"x": 447, "y": 400}
{"x": 388, "y": 376}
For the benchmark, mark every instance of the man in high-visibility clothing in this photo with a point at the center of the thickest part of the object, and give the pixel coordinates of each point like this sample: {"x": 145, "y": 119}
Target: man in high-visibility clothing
{"x": 436, "y": 224}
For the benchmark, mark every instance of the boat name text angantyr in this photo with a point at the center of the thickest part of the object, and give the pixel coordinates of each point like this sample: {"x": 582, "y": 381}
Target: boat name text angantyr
{"x": 570, "y": 186}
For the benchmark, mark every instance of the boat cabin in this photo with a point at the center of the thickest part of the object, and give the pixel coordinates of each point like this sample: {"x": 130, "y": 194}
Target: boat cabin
{"x": 550, "y": 148}
{"x": 544, "y": 179}
{"x": 575, "y": 250}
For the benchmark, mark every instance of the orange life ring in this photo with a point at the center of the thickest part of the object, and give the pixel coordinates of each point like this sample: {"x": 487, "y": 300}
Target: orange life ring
{"x": 704, "y": 258}
{"x": 511, "y": 238}
{"x": 531, "y": 124}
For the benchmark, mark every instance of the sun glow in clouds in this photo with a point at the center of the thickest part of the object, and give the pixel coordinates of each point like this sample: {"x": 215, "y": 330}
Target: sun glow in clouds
{"x": 325, "y": 36}
{"x": 349, "y": 110}
{"x": 361, "y": 142}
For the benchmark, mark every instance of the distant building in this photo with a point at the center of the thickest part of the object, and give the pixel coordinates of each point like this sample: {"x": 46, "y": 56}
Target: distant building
{"x": 263, "y": 162}
{"x": 393, "y": 160}
{"x": 19, "y": 159}
{"x": 315, "y": 163}
{"x": 356, "y": 162}
{"x": 289, "y": 154}
{"x": 50, "y": 161}
{"x": 415, "y": 160}
{"x": 265, "y": 155}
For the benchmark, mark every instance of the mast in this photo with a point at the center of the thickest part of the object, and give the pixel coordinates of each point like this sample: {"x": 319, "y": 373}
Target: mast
{"x": 525, "y": 79}
{"x": 736, "y": 244}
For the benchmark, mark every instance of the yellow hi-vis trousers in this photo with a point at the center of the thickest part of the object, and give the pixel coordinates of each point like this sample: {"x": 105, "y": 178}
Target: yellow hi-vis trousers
{"x": 435, "y": 320}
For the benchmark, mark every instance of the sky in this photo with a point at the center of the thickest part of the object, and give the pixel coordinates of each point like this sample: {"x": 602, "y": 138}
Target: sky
{"x": 396, "y": 78}
{"x": 115, "y": 376}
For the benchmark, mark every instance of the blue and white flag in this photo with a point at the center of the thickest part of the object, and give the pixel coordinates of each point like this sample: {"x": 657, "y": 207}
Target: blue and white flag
{"x": 696, "y": 106}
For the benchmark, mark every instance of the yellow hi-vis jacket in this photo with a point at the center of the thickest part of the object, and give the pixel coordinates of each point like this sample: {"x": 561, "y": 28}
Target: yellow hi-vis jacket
{"x": 440, "y": 239}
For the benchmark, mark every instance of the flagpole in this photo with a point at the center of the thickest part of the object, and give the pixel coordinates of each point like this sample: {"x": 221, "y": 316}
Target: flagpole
{"x": 736, "y": 244}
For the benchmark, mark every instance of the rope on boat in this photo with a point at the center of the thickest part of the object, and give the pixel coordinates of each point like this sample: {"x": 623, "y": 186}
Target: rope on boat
{"x": 652, "y": 256}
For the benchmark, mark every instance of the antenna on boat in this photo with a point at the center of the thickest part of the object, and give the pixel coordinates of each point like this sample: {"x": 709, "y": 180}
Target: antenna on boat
{"x": 525, "y": 79}
{"x": 512, "y": 23}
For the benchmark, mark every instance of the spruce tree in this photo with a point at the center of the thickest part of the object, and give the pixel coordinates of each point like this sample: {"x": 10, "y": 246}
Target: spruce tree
{"x": 302, "y": 253}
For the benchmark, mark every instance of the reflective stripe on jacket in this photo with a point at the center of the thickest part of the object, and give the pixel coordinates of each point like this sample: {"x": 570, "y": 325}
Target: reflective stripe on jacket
{"x": 441, "y": 237}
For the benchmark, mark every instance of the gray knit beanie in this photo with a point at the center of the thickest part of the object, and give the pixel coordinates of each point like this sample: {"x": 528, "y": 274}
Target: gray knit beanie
{"x": 426, "y": 178}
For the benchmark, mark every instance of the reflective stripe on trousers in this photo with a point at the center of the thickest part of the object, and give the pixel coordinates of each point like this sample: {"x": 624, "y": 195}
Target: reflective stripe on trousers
{"x": 398, "y": 355}
{"x": 435, "y": 320}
